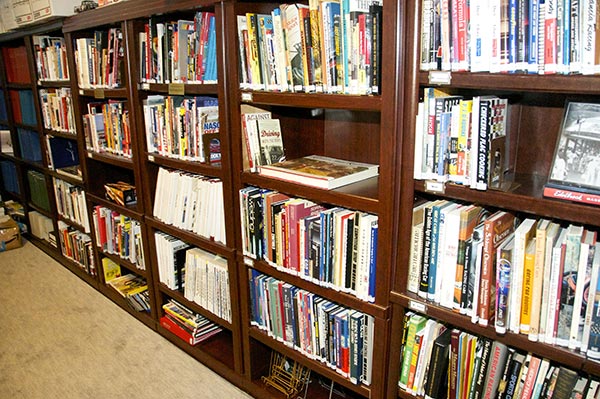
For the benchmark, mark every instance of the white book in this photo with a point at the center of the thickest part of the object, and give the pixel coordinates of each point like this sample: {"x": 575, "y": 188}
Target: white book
{"x": 538, "y": 279}
{"x": 419, "y": 137}
{"x": 584, "y": 272}
{"x": 551, "y": 236}
{"x": 478, "y": 253}
{"x": 416, "y": 248}
{"x": 589, "y": 310}
{"x": 523, "y": 234}
{"x": 441, "y": 245}
{"x": 450, "y": 254}
{"x": 480, "y": 36}
{"x": 555, "y": 280}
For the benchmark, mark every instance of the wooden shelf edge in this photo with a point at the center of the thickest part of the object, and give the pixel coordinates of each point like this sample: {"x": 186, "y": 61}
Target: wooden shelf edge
{"x": 188, "y": 166}
{"x": 191, "y": 237}
{"x": 127, "y": 211}
{"x": 313, "y": 100}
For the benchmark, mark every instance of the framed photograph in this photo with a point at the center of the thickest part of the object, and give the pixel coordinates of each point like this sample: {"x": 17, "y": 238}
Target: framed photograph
{"x": 576, "y": 163}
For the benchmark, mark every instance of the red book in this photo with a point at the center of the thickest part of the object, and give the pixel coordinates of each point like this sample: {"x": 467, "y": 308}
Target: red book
{"x": 177, "y": 330}
{"x": 295, "y": 211}
{"x": 571, "y": 195}
{"x": 496, "y": 229}
{"x": 532, "y": 370}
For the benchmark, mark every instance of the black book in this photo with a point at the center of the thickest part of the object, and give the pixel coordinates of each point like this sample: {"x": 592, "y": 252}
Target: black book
{"x": 437, "y": 374}
{"x": 565, "y": 383}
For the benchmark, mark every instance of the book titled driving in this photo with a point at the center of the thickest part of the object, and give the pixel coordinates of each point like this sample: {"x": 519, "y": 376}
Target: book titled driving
{"x": 320, "y": 171}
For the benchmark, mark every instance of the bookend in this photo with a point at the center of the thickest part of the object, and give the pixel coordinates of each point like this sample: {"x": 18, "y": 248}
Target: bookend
{"x": 286, "y": 375}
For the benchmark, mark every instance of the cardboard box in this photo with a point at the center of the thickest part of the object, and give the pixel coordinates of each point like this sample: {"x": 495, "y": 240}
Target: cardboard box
{"x": 10, "y": 236}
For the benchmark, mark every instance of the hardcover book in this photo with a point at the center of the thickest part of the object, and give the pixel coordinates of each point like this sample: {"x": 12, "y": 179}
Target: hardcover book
{"x": 320, "y": 171}
{"x": 575, "y": 172}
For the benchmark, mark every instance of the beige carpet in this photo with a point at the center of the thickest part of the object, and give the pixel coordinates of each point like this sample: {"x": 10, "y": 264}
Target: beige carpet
{"x": 59, "y": 338}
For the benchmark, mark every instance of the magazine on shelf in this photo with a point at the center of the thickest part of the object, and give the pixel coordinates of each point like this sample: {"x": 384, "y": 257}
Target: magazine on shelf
{"x": 575, "y": 172}
{"x": 320, "y": 171}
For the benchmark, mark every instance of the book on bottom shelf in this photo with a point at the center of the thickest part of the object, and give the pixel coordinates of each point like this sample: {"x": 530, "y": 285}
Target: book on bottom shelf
{"x": 320, "y": 171}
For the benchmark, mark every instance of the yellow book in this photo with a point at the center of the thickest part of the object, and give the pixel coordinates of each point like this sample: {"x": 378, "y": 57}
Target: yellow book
{"x": 468, "y": 376}
{"x": 538, "y": 279}
{"x": 252, "y": 24}
{"x": 528, "y": 271}
{"x": 111, "y": 269}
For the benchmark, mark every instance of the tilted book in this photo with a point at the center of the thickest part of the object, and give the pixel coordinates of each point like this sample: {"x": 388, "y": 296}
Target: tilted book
{"x": 320, "y": 171}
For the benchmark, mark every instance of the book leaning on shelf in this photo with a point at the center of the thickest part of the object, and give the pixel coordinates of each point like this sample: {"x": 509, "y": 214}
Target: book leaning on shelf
{"x": 320, "y": 171}
{"x": 575, "y": 172}
{"x": 134, "y": 289}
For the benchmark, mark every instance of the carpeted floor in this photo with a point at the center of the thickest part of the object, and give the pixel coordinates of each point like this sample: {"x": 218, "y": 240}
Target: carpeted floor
{"x": 59, "y": 338}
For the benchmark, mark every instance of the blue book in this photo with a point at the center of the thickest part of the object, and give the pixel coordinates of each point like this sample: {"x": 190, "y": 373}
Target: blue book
{"x": 534, "y": 21}
{"x": 3, "y": 115}
{"x": 27, "y": 107}
{"x": 355, "y": 327}
{"x": 63, "y": 152}
{"x": 9, "y": 177}
{"x": 212, "y": 51}
{"x": 29, "y": 142}
{"x": 512, "y": 34}
{"x": 433, "y": 250}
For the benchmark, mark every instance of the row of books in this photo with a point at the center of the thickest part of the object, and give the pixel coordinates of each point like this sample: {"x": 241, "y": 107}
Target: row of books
{"x": 202, "y": 277}
{"x": 528, "y": 276}
{"x": 330, "y": 46}
{"x": 531, "y": 36}
{"x": 119, "y": 235}
{"x": 461, "y": 140}
{"x": 107, "y": 128}
{"x": 439, "y": 361}
{"x": 37, "y": 189}
{"x": 99, "y": 59}
{"x": 51, "y": 58}
{"x": 182, "y": 51}
{"x": 322, "y": 330}
{"x": 10, "y": 181}
{"x": 182, "y": 127}
{"x": 192, "y": 327}
{"x": 134, "y": 289}
{"x": 29, "y": 144}
{"x": 262, "y": 142}
{"x": 41, "y": 226}
{"x": 57, "y": 109}
{"x": 191, "y": 202}
{"x": 16, "y": 64}
{"x": 332, "y": 247}
{"x": 77, "y": 246}
{"x": 71, "y": 203}
{"x": 22, "y": 106}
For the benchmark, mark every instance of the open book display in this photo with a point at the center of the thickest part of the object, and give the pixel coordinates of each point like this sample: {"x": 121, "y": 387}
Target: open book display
{"x": 320, "y": 171}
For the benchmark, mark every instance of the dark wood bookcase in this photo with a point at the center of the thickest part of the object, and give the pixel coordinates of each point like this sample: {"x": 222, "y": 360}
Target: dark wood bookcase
{"x": 539, "y": 102}
{"x": 356, "y": 128}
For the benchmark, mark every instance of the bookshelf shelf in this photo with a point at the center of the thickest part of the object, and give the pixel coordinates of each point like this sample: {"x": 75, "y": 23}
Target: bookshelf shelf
{"x": 65, "y": 219}
{"x": 313, "y": 100}
{"x": 188, "y": 88}
{"x": 190, "y": 237}
{"x": 123, "y": 263}
{"x": 74, "y": 180}
{"x": 124, "y": 210}
{"x": 521, "y": 200}
{"x": 215, "y": 352}
{"x": 108, "y": 158}
{"x": 188, "y": 166}
{"x": 104, "y": 93}
{"x": 362, "y": 195}
{"x": 114, "y": 296}
{"x": 578, "y": 84}
{"x": 56, "y": 133}
{"x": 53, "y": 84}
